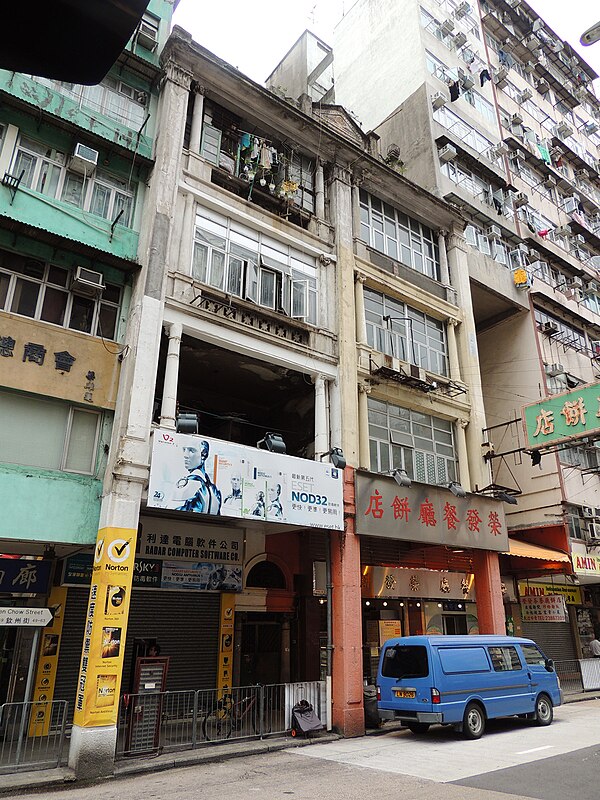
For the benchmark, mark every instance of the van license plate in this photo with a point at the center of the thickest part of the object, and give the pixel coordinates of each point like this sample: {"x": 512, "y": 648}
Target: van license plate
{"x": 405, "y": 693}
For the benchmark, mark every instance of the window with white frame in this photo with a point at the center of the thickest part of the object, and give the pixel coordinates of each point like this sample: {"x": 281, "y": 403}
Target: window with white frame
{"x": 399, "y": 236}
{"x": 459, "y": 128}
{"x": 569, "y": 336}
{"x": 422, "y": 444}
{"x": 487, "y": 244}
{"x": 45, "y": 171}
{"x": 40, "y": 291}
{"x": 48, "y": 434}
{"x": 583, "y": 457}
{"x": 405, "y": 333}
{"x": 253, "y": 266}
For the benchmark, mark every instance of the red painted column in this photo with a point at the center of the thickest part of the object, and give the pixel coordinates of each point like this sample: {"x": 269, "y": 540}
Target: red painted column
{"x": 347, "y": 678}
{"x": 490, "y": 608}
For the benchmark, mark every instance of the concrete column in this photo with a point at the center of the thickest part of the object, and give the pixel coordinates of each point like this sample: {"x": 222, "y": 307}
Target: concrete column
{"x": 319, "y": 191}
{"x": 466, "y": 337}
{"x": 356, "y": 210}
{"x": 463, "y": 456}
{"x": 444, "y": 270}
{"x": 347, "y": 684}
{"x": 321, "y": 437}
{"x": 187, "y": 236}
{"x": 453, "y": 361}
{"x": 359, "y": 303}
{"x": 168, "y": 411}
{"x": 490, "y": 608}
{"x": 197, "y": 115}
{"x": 364, "y": 455}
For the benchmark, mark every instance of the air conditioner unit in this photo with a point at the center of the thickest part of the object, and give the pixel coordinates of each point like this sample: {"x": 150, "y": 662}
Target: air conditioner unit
{"x": 532, "y": 43}
{"x": 390, "y": 362}
{"x": 87, "y": 282}
{"x": 516, "y": 119}
{"x": 563, "y": 130}
{"x": 462, "y": 10}
{"x": 526, "y": 94}
{"x": 438, "y": 100}
{"x": 447, "y": 26}
{"x": 493, "y": 232}
{"x": 538, "y": 24}
{"x": 529, "y": 67}
{"x": 582, "y": 174}
{"x": 575, "y": 283}
{"x": 417, "y": 372}
{"x": 571, "y": 204}
{"x": 580, "y": 238}
{"x": 501, "y": 149}
{"x": 596, "y": 512}
{"x": 467, "y": 81}
{"x": 556, "y": 46}
{"x": 552, "y": 370}
{"x": 587, "y": 512}
{"x": 447, "y": 153}
{"x": 513, "y": 3}
{"x": 549, "y": 181}
{"x": 590, "y": 128}
{"x": 460, "y": 39}
{"x": 593, "y": 531}
{"x": 84, "y": 159}
{"x": 549, "y": 327}
{"x": 591, "y": 287}
{"x": 542, "y": 86}
{"x": 500, "y": 77}
{"x": 147, "y": 36}
{"x": 520, "y": 199}
{"x": 563, "y": 230}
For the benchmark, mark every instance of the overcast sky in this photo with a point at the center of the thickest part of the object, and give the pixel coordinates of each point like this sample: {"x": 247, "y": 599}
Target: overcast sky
{"x": 255, "y": 36}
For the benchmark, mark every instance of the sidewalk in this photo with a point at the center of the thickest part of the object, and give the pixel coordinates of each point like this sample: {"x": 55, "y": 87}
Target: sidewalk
{"x": 25, "y": 782}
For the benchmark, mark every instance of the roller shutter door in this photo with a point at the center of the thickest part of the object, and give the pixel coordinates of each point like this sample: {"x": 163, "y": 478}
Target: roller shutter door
{"x": 186, "y": 625}
{"x": 554, "y": 638}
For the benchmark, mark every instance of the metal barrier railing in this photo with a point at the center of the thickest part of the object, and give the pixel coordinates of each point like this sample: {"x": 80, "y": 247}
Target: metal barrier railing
{"x": 569, "y": 674}
{"x": 32, "y": 735}
{"x": 165, "y": 721}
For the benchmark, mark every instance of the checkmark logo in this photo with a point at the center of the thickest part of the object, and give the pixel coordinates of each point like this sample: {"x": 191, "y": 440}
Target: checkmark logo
{"x": 119, "y": 550}
{"x": 99, "y": 551}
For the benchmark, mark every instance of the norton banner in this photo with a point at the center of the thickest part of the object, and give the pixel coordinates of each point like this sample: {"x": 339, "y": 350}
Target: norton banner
{"x": 97, "y": 700}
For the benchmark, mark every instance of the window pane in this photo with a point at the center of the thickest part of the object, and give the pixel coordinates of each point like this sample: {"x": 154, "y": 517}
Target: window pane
{"x": 25, "y": 297}
{"x": 80, "y": 449}
{"x": 236, "y": 276}
{"x": 73, "y": 190}
{"x": 45, "y": 424}
{"x": 58, "y": 276}
{"x": 100, "y": 200}
{"x": 199, "y": 262}
{"x": 48, "y": 179}
{"x": 25, "y": 164}
{"x": 122, "y": 202}
{"x": 107, "y": 321}
{"x": 82, "y": 312}
{"x": 217, "y": 269}
{"x": 267, "y": 289}
{"x": 55, "y": 304}
{"x": 4, "y": 281}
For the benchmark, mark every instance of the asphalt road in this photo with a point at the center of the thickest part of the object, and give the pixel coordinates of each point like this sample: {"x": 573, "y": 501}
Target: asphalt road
{"x": 513, "y": 760}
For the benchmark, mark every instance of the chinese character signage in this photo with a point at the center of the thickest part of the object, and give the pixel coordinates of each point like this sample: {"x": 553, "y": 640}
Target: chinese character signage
{"x": 22, "y": 576}
{"x": 547, "y": 608}
{"x": 560, "y": 417}
{"x": 424, "y": 513}
{"x": 209, "y": 476}
{"x": 572, "y": 594}
{"x": 47, "y": 666}
{"x": 97, "y": 697}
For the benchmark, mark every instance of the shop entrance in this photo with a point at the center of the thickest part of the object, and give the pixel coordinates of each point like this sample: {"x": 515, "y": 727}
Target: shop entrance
{"x": 260, "y": 657}
{"x": 455, "y": 624}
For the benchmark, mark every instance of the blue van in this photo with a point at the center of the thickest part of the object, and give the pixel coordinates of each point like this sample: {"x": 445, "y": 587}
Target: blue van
{"x": 465, "y": 680}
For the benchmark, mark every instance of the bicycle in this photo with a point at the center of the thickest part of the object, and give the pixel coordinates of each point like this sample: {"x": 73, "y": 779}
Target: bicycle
{"x": 229, "y": 715}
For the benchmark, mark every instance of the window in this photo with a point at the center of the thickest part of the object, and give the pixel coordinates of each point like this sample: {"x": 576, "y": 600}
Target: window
{"x": 45, "y": 171}
{"x": 408, "y": 335}
{"x": 399, "y": 236}
{"x": 504, "y": 659}
{"x": 464, "y": 132}
{"x": 533, "y": 655}
{"x": 405, "y": 662}
{"x": 496, "y": 248}
{"x": 243, "y": 263}
{"x": 421, "y": 444}
{"x": 48, "y": 434}
{"x": 41, "y": 291}
{"x": 582, "y": 457}
{"x": 567, "y": 335}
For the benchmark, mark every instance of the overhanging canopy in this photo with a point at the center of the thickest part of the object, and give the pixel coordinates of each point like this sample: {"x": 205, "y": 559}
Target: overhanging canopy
{"x": 527, "y": 550}
{"x": 533, "y": 560}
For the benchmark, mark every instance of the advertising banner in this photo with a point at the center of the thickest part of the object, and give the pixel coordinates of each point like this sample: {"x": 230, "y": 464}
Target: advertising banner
{"x": 45, "y": 676}
{"x": 97, "y": 699}
{"x": 572, "y": 594}
{"x": 24, "y": 576}
{"x": 547, "y": 608}
{"x": 561, "y": 417}
{"x": 209, "y": 476}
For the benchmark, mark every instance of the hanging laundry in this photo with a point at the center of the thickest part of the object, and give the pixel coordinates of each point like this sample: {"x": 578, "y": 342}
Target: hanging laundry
{"x": 498, "y": 205}
{"x": 265, "y": 156}
{"x": 255, "y": 148}
{"x": 544, "y": 153}
{"x": 544, "y": 233}
{"x": 454, "y": 91}
{"x": 484, "y": 76}
{"x": 580, "y": 207}
{"x": 505, "y": 59}
{"x": 245, "y": 141}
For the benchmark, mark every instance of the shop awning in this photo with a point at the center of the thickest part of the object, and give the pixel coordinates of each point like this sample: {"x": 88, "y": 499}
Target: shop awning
{"x": 528, "y": 550}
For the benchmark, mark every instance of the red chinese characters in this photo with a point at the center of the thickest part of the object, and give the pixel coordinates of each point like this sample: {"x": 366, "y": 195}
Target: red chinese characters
{"x": 375, "y": 507}
{"x": 427, "y": 514}
{"x": 401, "y": 508}
{"x": 450, "y": 516}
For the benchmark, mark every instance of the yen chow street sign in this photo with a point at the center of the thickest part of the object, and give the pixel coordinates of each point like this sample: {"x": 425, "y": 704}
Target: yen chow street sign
{"x": 25, "y": 617}
{"x": 563, "y": 417}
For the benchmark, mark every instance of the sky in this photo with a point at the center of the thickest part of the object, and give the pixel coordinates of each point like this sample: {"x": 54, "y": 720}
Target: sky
{"x": 255, "y": 36}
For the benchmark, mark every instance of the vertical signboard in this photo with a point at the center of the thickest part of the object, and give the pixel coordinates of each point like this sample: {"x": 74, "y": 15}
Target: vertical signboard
{"x": 45, "y": 676}
{"x": 97, "y": 699}
{"x": 226, "y": 632}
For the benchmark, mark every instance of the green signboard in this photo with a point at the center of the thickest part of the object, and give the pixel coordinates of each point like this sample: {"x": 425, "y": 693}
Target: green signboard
{"x": 562, "y": 417}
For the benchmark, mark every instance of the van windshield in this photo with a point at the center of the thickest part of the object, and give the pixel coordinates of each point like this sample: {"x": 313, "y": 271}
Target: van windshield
{"x": 404, "y": 661}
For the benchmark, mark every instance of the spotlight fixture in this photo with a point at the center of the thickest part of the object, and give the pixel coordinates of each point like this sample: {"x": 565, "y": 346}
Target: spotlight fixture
{"x": 337, "y": 457}
{"x": 402, "y": 478}
{"x": 384, "y": 603}
{"x": 367, "y": 602}
{"x": 456, "y": 489}
{"x": 507, "y": 498}
{"x": 272, "y": 442}
{"x": 186, "y": 423}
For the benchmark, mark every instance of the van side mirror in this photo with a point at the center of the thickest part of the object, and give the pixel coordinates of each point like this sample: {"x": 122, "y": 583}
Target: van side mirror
{"x": 549, "y": 664}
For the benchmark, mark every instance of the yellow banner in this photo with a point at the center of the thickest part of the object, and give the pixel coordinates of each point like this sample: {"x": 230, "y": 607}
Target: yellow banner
{"x": 572, "y": 594}
{"x": 97, "y": 700}
{"x": 45, "y": 676}
{"x": 226, "y": 631}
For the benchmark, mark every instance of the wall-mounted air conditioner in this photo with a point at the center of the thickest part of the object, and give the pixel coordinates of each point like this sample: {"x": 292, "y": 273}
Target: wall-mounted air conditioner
{"x": 467, "y": 81}
{"x": 529, "y": 67}
{"x": 549, "y": 327}
{"x": 520, "y": 199}
{"x": 552, "y": 370}
{"x": 582, "y": 174}
{"x": 84, "y": 159}
{"x": 587, "y": 512}
{"x": 390, "y": 362}
{"x": 597, "y": 512}
{"x": 575, "y": 283}
{"x": 542, "y": 86}
{"x": 500, "y": 77}
{"x": 538, "y": 24}
{"x": 87, "y": 282}
{"x": 593, "y": 531}
{"x": 563, "y": 130}
{"x": 549, "y": 181}
{"x": 438, "y": 100}
{"x": 501, "y": 149}
{"x": 417, "y": 372}
{"x": 590, "y": 128}
{"x": 147, "y": 36}
{"x": 447, "y": 26}
{"x": 462, "y": 10}
{"x": 447, "y": 153}
{"x": 525, "y": 95}
{"x": 591, "y": 287}
{"x": 493, "y": 232}
{"x": 516, "y": 119}
{"x": 571, "y": 204}
{"x": 460, "y": 39}
{"x": 532, "y": 43}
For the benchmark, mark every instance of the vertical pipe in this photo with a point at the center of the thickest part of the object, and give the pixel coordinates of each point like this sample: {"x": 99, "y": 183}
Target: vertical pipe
{"x": 197, "y": 114}
{"x": 168, "y": 409}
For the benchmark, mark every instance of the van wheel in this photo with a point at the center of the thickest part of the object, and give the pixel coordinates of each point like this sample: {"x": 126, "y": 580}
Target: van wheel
{"x": 473, "y": 722}
{"x": 544, "y": 711}
{"x": 418, "y": 727}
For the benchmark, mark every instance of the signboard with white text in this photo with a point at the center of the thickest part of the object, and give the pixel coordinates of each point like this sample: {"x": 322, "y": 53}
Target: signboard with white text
{"x": 25, "y": 617}
{"x": 210, "y": 476}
